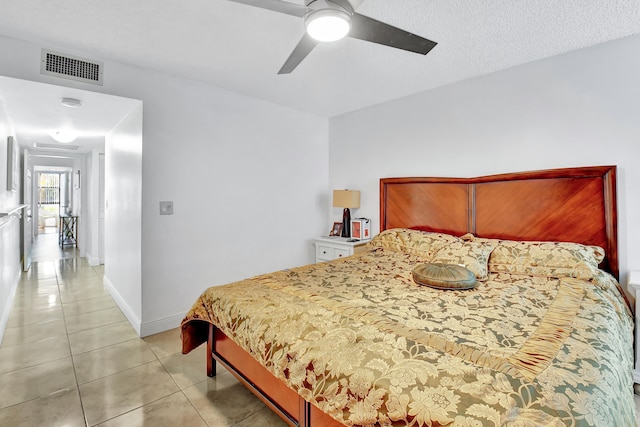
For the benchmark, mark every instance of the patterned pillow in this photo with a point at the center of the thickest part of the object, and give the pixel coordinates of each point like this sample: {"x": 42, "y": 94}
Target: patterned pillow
{"x": 550, "y": 259}
{"x": 413, "y": 242}
{"x": 474, "y": 255}
{"x": 444, "y": 276}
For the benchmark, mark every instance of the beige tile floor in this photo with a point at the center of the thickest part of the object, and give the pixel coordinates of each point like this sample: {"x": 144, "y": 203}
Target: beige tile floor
{"x": 70, "y": 358}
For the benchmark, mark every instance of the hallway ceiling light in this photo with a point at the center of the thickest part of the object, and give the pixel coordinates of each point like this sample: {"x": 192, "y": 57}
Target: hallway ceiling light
{"x": 64, "y": 135}
{"x": 71, "y": 102}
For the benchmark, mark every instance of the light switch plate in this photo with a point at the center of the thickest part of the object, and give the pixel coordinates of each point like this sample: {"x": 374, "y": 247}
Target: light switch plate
{"x": 166, "y": 208}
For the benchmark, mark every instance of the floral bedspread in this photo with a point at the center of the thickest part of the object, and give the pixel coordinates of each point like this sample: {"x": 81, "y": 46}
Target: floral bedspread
{"x": 360, "y": 340}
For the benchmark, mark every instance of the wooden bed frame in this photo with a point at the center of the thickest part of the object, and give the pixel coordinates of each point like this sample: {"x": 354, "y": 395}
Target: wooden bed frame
{"x": 572, "y": 205}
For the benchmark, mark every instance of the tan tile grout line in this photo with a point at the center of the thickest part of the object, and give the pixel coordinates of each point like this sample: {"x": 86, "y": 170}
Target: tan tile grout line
{"x": 180, "y": 389}
{"x": 73, "y": 364}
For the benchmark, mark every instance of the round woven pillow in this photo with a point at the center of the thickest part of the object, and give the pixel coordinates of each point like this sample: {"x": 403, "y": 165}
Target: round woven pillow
{"x": 444, "y": 276}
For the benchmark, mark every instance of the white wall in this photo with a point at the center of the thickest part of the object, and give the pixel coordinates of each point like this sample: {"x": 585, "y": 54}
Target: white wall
{"x": 9, "y": 229}
{"x": 123, "y": 214}
{"x": 248, "y": 180}
{"x": 77, "y": 201}
{"x": 575, "y": 109}
{"x": 90, "y": 187}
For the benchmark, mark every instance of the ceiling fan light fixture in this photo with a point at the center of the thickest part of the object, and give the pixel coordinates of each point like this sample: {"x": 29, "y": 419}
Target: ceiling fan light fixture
{"x": 328, "y": 25}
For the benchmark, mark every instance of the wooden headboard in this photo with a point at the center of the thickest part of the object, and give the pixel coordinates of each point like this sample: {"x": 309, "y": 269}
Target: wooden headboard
{"x": 567, "y": 205}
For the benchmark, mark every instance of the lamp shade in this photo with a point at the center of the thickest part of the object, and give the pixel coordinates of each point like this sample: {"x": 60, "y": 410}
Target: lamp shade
{"x": 346, "y": 199}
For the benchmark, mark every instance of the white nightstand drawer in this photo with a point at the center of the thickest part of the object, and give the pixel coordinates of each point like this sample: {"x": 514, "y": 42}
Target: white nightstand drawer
{"x": 324, "y": 252}
{"x": 341, "y": 253}
{"x": 330, "y": 248}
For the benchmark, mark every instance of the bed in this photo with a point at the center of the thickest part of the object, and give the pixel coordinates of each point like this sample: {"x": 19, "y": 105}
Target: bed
{"x": 544, "y": 339}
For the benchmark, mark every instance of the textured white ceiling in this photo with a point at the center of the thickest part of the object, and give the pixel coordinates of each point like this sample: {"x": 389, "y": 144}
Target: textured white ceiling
{"x": 241, "y": 48}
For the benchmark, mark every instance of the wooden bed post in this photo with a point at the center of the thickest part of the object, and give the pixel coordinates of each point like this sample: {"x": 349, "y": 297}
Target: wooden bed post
{"x": 211, "y": 362}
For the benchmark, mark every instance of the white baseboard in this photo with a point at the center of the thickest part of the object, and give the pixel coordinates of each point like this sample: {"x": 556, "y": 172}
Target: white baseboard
{"x": 128, "y": 312}
{"x": 92, "y": 261}
{"x": 161, "y": 325}
{"x": 147, "y": 328}
{"x": 6, "y": 310}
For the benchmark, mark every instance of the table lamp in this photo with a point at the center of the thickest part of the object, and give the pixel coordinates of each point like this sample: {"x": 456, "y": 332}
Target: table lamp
{"x": 346, "y": 199}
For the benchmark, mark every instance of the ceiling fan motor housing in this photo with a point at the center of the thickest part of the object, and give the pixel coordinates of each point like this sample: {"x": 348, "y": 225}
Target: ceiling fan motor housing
{"x": 341, "y": 5}
{"x": 328, "y": 20}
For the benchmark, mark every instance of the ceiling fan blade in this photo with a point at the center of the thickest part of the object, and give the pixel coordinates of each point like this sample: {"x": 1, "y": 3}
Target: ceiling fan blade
{"x": 369, "y": 29}
{"x": 305, "y": 45}
{"x": 277, "y": 6}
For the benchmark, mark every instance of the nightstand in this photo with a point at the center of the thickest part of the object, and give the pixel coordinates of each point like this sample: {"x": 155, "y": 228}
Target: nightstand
{"x": 330, "y": 248}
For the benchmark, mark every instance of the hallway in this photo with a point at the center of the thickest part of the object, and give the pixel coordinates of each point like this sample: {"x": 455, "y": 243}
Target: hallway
{"x": 45, "y": 247}
{"x": 70, "y": 358}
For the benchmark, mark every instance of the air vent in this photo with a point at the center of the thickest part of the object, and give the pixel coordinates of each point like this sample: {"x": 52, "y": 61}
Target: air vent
{"x": 65, "y": 147}
{"x": 71, "y": 67}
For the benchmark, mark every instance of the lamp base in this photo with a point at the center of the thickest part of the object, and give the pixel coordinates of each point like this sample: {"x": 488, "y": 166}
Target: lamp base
{"x": 346, "y": 223}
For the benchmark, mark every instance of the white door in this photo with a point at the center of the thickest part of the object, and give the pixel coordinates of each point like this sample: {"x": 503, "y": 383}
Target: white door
{"x": 101, "y": 212}
{"x": 27, "y": 218}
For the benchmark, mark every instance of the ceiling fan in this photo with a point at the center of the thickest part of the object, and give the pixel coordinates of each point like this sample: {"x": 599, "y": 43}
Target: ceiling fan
{"x": 330, "y": 20}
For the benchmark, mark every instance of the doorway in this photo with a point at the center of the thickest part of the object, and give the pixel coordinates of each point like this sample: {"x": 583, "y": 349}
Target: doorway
{"x": 52, "y": 197}
{"x": 48, "y": 194}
